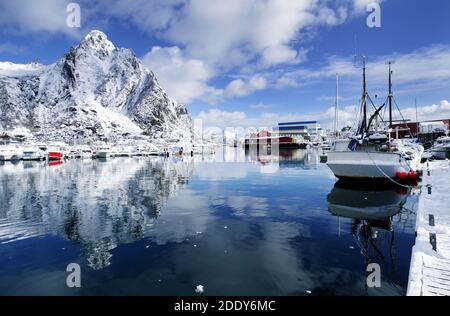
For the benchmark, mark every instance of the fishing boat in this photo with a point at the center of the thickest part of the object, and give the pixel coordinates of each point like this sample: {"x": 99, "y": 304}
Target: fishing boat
{"x": 57, "y": 151}
{"x": 372, "y": 153}
{"x": 10, "y": 152}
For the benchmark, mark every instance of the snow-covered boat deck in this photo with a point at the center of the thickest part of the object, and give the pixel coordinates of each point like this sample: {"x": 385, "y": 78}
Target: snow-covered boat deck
{"x": 429, "y": 273}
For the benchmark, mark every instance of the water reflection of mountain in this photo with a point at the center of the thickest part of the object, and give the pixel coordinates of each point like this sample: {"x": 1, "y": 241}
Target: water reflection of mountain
{"x": 372, "y": 212}
{"x": 96, "y": 204}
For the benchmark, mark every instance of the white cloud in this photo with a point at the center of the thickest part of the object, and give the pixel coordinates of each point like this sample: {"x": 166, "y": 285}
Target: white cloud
{"x": 259, "y": 106}
{"x": 148, "y": 15}
{"x": 10, "y": 48}
{"x": 25, "y": 16}
{"x": 428, "y": 68}
{"x": 361, "y": 5}
{"x": 211, "y": 38}
{"x": 250, "y": 34}
{"x": 186, "y": 79}
{"x": 239, "y": 87}
{"x": 429, "y": 112}
{"x": 183, "y": 78}
{"x": 347, "y": 116}
{"x": 216, "y": 117}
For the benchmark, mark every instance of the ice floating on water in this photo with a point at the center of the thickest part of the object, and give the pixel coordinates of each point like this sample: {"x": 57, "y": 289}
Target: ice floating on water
{"x": 199, "y": 289}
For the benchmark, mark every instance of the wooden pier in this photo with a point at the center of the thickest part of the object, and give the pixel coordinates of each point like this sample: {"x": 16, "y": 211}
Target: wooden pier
{"x": 429, "y": 273}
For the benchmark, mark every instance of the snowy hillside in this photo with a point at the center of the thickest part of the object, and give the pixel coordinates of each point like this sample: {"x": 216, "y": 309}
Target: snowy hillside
{"x": 96, "y": 91}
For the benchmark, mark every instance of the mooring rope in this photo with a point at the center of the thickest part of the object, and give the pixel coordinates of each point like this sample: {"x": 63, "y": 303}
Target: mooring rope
{"x": 384, "y": 174}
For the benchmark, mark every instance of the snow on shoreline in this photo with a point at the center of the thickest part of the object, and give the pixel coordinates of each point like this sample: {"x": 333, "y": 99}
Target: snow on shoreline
{"x": 430, "y": 269}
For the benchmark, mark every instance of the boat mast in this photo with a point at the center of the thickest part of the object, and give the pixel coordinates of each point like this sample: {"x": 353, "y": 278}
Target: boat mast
{"x": 336, "y": 109}
{"x": 364, "y": 98}
{"x": 390, "y": 94}
{"x": 417, "y": 119}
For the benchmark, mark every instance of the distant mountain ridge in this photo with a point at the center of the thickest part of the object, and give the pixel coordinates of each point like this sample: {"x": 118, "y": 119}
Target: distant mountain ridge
{"x": 95, "y": 91}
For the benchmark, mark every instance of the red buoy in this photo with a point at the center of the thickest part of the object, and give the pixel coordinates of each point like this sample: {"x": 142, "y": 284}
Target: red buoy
{"x": 402, "y": 175}
{"x": 412, "y": 175}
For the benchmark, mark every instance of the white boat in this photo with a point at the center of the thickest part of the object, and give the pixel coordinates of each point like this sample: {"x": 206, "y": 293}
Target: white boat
{"x": 103, "y": 152}
{"x": 84, "y": 152}
{"x": 10, "y": 152}
{"x": 441, "y": 148}
{"x": 372, "y": 154}
{"x": 152, "y": 150}
{"x": 126, "y": 151}
{"x": 32, "y": 152}
{"x": 140, "y": 150}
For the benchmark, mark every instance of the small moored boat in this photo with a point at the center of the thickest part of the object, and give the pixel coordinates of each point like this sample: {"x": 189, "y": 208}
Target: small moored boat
{"x": 32, "y": 152}
{"x": 10, "y": 152}
{"x": 57, "y": 151}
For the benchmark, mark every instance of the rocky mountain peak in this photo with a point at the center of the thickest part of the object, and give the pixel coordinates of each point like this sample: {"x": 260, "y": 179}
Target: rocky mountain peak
{"x": 97, "y": 40}
{"x": 95, "y": 91}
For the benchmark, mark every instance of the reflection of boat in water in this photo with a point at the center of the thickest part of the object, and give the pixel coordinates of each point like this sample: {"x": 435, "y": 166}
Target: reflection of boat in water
{"x": 363, "y": 203}
{"x": 284, "y": 158}
{"x": 372, "y": 212}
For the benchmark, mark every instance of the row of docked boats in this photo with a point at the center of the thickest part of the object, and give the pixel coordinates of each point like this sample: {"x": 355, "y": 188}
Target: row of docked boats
{"x": 14, "y": 151}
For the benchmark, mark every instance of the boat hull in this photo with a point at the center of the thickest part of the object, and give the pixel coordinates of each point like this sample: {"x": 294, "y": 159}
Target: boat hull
{"x": 363, "y": 165}
{"x": 103, "y": 154}
{"x": 31, "y": 157}
{"x": 440, "y": 153}
{"x": 55, "y": 155}
{"x": 10, "y": 157}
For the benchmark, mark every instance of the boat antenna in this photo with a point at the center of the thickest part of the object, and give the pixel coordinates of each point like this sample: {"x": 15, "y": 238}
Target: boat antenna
{"x": 390, "y": 93}
{"x": 364, "y": 97}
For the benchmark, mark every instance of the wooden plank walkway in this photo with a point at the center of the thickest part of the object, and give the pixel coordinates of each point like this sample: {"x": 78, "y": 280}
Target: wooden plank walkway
{"x": 429, "y": 273}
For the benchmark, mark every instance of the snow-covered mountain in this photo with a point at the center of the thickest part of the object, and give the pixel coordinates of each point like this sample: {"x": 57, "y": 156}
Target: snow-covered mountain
{"x": 96, "y": 91}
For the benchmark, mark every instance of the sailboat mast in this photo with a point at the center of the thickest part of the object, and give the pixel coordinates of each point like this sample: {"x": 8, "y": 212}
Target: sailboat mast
{"x": 364, "y": 99}
{"x": 336, "y": 108}
{"x": 390, "y": 95}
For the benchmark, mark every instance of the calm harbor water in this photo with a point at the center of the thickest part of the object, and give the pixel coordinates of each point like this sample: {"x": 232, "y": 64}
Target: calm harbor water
{"x": 236, "y": 223}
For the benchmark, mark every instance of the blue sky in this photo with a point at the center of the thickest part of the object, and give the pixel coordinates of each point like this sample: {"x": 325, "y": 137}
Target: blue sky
{"x": 256, "y": 62}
